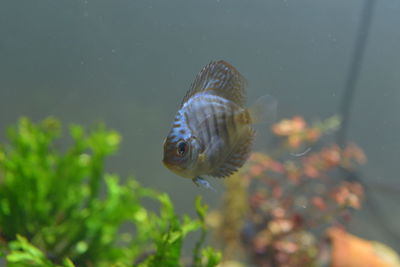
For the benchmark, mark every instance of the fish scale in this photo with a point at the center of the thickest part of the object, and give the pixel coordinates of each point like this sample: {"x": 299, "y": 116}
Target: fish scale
{"x": 209, "y": 116}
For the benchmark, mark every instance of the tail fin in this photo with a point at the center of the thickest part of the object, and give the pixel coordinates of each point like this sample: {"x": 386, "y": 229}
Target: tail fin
{"x": 264, "y": 110}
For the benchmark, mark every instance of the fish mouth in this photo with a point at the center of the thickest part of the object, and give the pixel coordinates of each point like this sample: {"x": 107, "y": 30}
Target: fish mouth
{"x": 172, "y": 166}
{"x": 178, "y": 170}
{"x": 166, "y": 164}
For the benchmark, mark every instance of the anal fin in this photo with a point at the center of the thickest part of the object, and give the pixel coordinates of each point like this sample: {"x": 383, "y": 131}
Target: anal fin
{"x": 238, "y": 155}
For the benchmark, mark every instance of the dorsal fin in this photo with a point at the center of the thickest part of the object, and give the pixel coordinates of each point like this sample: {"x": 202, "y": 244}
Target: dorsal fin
{"x": 219, "y": 78}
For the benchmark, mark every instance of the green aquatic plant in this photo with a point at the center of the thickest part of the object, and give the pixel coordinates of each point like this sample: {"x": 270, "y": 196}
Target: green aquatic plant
{"x": 54, "y": 210}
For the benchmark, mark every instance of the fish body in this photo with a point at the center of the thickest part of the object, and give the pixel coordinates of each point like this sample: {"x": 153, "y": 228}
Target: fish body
{"x": 211, "y": 134}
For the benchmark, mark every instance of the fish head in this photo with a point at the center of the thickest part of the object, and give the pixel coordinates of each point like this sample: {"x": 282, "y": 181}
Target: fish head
{"x": 181, "y": 154}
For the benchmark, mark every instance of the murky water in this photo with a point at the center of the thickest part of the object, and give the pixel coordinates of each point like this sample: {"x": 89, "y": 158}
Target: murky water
{"x": 129, "y": 63}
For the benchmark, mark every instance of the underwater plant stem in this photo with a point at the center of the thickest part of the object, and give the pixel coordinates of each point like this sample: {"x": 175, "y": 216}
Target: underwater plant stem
{"x": 144, "y": 256}
{"x": 197, "y": 248}
{"x": 65, "y": 251}
{"x": 354, "y": 69}
{"x": 95, "y": 179}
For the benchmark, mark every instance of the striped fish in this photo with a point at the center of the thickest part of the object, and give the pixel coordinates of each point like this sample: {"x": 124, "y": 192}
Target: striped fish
{"x": 212, "y": 133}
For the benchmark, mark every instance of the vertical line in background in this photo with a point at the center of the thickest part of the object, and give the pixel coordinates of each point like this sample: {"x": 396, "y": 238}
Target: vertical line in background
{"x": 354, "y": 69}
{"x": 345, "y": 112}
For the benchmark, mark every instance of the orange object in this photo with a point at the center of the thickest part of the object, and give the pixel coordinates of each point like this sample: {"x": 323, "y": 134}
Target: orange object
{"x": 351, "y": 251}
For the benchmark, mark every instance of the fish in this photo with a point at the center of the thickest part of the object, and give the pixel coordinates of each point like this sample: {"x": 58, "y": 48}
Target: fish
{"x": 212, "y": 132}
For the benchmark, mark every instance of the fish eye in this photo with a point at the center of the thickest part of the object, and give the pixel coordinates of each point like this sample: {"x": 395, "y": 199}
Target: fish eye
{"x": 182, "y": 148}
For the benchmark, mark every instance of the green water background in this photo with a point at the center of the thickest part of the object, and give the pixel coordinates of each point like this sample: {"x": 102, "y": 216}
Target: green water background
{"x": 129, "y": 63}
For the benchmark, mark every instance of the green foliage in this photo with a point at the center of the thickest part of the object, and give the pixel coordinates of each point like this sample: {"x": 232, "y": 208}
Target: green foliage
{"x": 52, "y": 213}
{"x": 208, "y": 256}
{"x": 24, "y": 253}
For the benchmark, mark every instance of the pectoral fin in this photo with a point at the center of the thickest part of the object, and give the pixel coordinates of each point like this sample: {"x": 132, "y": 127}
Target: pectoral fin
{"x": 264, "y": 110}
{"x": 203, "y": 182}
